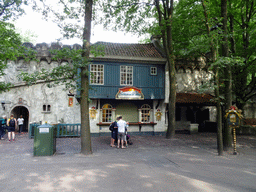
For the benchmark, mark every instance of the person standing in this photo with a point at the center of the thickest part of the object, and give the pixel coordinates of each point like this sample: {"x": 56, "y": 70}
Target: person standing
{"x": 20, "y": 123}
{"x": 114, "y": 132}
{"x": 2, "y": 128}
{"x": 121, "y": 124}
{"x": 11, "y": 123}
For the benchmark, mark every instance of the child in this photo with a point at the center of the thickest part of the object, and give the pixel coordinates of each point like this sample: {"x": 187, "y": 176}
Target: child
{"x": 125, "y": 137}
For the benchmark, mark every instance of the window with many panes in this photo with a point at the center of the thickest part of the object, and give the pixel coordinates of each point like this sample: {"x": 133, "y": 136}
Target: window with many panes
{"x": 107, "y": 113}
{"x": 126, "y": 75}
{"x": 97, "y": 74}
{"x": 153, "y": 71}
{"x": 145, "y": 113}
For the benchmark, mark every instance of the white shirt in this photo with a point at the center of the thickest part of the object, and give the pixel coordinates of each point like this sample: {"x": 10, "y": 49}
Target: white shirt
{"x": 20, "y": 121}
{"x": 121, "y": 124}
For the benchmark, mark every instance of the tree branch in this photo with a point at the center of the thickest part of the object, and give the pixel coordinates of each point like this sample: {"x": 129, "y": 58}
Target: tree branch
{"x": 5, "y": 6}
{"x": 131, "y": 4}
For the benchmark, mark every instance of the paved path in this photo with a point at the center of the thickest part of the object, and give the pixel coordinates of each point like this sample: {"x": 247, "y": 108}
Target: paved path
{"x": 152, "y": 163}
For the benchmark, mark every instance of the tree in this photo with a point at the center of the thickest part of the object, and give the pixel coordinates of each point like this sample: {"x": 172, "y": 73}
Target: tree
{"x": 217, "y": 83}
{"x": 242, "y": 16}
{"x": 227, "y": 136}
{"x": 9, "y": 49}
{"x": 71, "y": 11}
{"x": 85, "y": 121}
{"x": 141, "y": 17}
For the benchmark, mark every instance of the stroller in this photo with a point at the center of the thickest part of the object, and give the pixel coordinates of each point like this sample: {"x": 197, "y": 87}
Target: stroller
{"x": 128, "y": 139}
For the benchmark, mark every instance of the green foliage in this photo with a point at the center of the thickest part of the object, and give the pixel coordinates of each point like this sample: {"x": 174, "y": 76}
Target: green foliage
{"x": 11, "y": 49}
{"x": 27, "y": 36}
{"x": 9, "y": 44}
{"x": 223, "y": 62}
{"x": 10, "y": 41}
{"x": 131, "y": 16}
{"x": 11, "y": 9}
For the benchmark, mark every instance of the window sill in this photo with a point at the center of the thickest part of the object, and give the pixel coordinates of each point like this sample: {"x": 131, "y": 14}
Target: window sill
{"x": 104, "y": 123}
{"x": 130, "y": 123}
{"x": 46, "y": 112}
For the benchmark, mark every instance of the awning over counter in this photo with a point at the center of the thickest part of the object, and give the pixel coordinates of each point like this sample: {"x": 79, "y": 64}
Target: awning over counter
{"x": 195, "y": 98}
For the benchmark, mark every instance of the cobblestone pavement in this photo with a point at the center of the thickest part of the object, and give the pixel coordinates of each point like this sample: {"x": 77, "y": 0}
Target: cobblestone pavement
{"x": 152, "y": 163}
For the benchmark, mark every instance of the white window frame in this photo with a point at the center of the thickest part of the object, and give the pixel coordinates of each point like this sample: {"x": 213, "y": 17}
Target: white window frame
{"x": 127, "y": 74}
{"x": 108, "y": 112}
{"x": 145, "y": 113}
{"x": 153, "y": 70}
{"x": 95, "y": 73}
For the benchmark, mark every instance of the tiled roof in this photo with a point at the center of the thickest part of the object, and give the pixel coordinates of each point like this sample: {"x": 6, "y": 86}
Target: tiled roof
{"x": 194, "y": 98}
{"x": 130, "y": 50}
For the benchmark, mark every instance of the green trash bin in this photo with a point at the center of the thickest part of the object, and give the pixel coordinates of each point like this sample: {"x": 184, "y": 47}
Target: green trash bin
{"x": 44, "y": 140}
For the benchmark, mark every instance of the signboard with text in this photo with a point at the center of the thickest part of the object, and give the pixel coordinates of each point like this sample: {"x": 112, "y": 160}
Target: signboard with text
{"x": 130, "y": 93}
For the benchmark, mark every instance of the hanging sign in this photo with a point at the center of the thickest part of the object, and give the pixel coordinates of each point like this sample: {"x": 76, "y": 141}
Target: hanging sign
{"x": 130, "y": 93}
{"x": 92, "y": 113}
{"x": 70, "y": 101}
{"x": 233, "y": 116}
{"x": 158, "y": 115}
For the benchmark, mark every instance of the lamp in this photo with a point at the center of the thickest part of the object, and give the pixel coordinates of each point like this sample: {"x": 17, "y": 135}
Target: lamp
{"x": 3, "y": 105}
{"x": 5, "y": 102}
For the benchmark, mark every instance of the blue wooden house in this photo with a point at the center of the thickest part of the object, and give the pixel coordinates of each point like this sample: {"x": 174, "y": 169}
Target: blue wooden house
{"x": 129, "y": 80}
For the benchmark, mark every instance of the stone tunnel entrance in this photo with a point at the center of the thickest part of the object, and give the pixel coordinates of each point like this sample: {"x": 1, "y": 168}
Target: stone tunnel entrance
{"x": 21, "y": 110}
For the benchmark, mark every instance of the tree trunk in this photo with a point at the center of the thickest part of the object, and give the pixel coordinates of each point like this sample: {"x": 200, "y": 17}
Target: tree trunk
{"x": 227, "y": 136}
{"x": 172, "y": 98}
{"x": 217, "y": 85}
{"x": 84, "y": 106}
{"x": 219, "y": 114}
{"x": 166, "y": 30}
{"x": 172, "y": 73}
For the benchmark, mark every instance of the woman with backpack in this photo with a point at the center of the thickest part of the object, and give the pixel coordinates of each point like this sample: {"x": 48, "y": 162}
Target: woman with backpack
{"x": 11, "y": 123}
{"x": 114, "y": 131}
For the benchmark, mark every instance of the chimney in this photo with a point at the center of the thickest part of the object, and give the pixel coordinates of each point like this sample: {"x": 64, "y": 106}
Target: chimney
{"x": 155, "y": 39}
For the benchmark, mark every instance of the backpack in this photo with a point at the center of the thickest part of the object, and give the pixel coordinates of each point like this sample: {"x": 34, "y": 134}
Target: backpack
{"x": 12, "y": 123}
{"x": 111, "y": 127}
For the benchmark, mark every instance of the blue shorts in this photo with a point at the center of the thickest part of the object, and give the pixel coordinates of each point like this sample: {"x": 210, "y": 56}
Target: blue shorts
{"x": 114, "y": 134}
{"x": 11, "y": 129}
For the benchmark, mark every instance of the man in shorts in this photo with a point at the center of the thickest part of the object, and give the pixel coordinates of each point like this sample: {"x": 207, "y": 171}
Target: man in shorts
{"x": 121, "y": 124}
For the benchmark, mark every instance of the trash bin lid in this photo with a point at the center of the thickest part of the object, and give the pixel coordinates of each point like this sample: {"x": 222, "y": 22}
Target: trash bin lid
{"x": 45, "y": 126}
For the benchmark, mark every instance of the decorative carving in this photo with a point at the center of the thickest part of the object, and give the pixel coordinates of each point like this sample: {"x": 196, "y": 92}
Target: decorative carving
{"x": 20, "y": 101}
{"x": 158, "y": 115}
{"x": 93, "y": 113}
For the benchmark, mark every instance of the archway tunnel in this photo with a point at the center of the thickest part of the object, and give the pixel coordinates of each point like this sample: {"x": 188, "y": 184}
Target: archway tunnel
{"x": 21, "y": 110}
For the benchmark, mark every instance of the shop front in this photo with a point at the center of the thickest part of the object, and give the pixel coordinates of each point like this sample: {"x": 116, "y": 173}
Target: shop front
{"x": 133, "y": 107}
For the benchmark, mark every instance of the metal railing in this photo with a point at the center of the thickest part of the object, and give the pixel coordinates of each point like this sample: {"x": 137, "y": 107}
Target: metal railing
{"x": 32, "y": 127}
{"x": 62, "y": 130}
{"x": 68, "y": 130}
